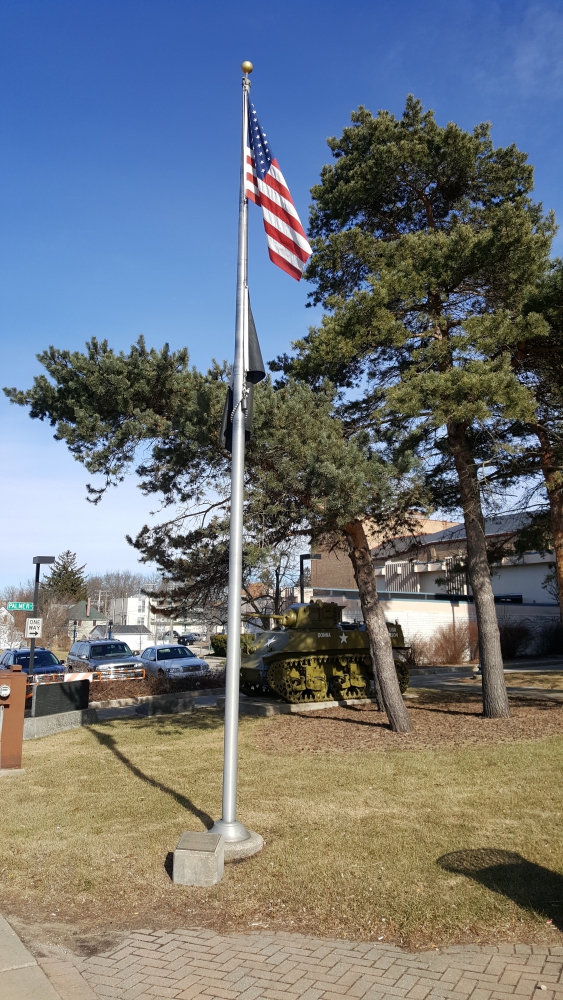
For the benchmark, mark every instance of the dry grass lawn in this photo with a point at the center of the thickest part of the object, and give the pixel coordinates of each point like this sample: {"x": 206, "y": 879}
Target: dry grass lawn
{"x": 353, "y": 837}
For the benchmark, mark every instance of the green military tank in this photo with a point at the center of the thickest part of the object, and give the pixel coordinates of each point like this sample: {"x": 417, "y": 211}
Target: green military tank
{"x": 312, "y": 657}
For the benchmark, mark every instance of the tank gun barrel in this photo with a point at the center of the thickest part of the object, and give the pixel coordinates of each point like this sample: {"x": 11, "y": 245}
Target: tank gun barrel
{"x": 288, "y": 618}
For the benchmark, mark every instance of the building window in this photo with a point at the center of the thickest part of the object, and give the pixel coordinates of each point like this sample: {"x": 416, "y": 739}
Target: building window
{"x": 140, "y": 621}
{"x": 141, "y": 607}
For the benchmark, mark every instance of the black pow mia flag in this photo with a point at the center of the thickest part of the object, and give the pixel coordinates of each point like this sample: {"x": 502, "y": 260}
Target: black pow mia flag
{"x": 255, "y": 373}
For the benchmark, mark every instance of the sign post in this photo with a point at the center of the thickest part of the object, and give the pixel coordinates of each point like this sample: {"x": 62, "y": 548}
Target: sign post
{"x": 37, "y": 560}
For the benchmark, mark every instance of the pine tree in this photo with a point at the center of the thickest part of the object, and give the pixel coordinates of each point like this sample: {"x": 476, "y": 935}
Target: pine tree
{"x": 304, "y": 475}
{"x": 538, "y": 362}
{"x": 426, "y": 245}
{"x": 66, "y": 580}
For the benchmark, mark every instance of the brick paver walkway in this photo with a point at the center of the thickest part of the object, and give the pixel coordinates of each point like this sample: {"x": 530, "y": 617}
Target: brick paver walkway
{"x": 278, "y": 966}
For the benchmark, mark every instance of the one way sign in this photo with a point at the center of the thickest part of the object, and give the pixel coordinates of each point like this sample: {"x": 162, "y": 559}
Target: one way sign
{"x": 33, "y": 628}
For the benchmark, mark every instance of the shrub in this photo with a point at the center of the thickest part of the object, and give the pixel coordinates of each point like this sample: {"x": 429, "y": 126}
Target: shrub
{"x": 446, "y": 645}
{"x": 219, "y": 644}
{"x": 153, "y": 684}
{"x": 161, "y": 684}
{"x": 515, "y": 637}
{"x": 550, "y": 640}
{"x": 455, "y": 644}
{"x": 416, "y": 655}
{"x": 402, "y": 668}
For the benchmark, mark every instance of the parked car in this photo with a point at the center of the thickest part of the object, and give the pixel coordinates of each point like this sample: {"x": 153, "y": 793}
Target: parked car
{"x": 184, "y": 640}
{"x": 174, "y": 661}
{"x": 44, "y": 661}
{"x": 110, "y": 657}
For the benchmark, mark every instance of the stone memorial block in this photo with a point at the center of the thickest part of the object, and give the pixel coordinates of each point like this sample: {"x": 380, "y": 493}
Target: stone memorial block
{"x": 199, "y": 859}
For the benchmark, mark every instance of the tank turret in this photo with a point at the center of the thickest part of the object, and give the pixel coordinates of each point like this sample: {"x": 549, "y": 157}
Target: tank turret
{"x": 317, "y": 614}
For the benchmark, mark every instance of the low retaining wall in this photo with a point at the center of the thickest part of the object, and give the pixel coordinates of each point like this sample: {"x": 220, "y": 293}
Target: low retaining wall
{"x": 267, "y": 707}
{"x": 46, "y": 725}
{"x": 167, "y": 704}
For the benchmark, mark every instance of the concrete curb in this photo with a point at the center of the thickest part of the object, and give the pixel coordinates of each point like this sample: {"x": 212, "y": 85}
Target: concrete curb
{"x": 46, "y": 725}
{"x": 167, "y": 704}
{"x": 146, "y": 699}
{"x": 20, "y": 976}
{"x": 266, "y": 707}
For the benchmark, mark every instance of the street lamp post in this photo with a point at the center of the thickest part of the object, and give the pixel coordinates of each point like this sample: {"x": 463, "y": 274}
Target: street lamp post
{"x": 37, "y": 561}
{"x": 306, "y": 555}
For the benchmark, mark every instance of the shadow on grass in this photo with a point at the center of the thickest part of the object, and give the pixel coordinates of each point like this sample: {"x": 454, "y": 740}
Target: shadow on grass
{"x": 432, "y": 700}
{"x": 202, "y": 719}
{"x": 529, "y": 885}
{"x": 108, "y": 741}
{"x": 540, "y": 704}
{"x": 377, "y": 723}
{"x": 169, "y": 865}
{"x": 433, "y": 707}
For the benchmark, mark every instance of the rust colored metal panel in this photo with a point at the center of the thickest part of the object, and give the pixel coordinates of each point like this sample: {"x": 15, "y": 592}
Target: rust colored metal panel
{"x": 13, "y": 707}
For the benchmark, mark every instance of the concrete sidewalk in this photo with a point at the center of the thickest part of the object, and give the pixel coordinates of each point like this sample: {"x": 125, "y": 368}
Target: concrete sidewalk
{"x": 263, "y": 965}
{"x": 21, "y": 978}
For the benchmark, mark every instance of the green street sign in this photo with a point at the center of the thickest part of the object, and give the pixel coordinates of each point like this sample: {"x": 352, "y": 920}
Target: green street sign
{"x": 20, "y": 605}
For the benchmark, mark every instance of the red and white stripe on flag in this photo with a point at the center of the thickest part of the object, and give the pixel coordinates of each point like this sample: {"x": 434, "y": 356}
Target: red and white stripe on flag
{"x": 288, "y": 246}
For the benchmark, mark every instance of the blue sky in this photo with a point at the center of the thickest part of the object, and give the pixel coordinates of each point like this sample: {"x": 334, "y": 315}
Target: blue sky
{"x": 119, "y": 150}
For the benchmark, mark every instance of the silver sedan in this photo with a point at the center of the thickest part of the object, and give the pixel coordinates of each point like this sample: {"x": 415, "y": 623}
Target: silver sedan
{"x": 174, "y": 661}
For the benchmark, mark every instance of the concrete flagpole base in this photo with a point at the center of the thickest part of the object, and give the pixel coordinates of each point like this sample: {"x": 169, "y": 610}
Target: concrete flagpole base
{"x": 239, "y": 842}
{"x": 237, "y": 850}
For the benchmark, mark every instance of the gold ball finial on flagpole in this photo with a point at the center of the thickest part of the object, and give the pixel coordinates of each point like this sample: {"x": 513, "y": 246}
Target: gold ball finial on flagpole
{"x": 247, "y": 67}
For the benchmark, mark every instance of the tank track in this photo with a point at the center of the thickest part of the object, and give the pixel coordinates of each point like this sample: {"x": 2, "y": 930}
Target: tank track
{"x": 254, "y": 689}
{"x": 321, "y": 678}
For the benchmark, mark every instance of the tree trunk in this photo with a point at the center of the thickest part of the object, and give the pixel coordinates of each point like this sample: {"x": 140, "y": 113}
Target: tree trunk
{"x": 552, "y": 477}
{"x": 495, "y": 698}
{"x": 277, "y": 591}
{"x": 379, "y": 638}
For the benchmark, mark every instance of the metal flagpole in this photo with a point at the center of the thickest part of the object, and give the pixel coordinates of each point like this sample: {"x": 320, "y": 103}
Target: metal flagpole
{"x": 228, "y": 826}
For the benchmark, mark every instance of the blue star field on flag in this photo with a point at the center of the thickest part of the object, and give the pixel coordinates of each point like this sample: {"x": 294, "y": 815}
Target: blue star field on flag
{"x": 259, "y": 144}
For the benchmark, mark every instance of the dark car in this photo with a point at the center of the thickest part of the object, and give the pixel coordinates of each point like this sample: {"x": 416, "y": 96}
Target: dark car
{"x": 109, "y": 657}
{"x": 44, "y": 661}
{"x": 174, "y": 661}
{"x": 186, "y": 638}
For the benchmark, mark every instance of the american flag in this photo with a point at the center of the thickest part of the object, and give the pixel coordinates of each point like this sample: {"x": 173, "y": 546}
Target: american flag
{"x": 265, "y": 186}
